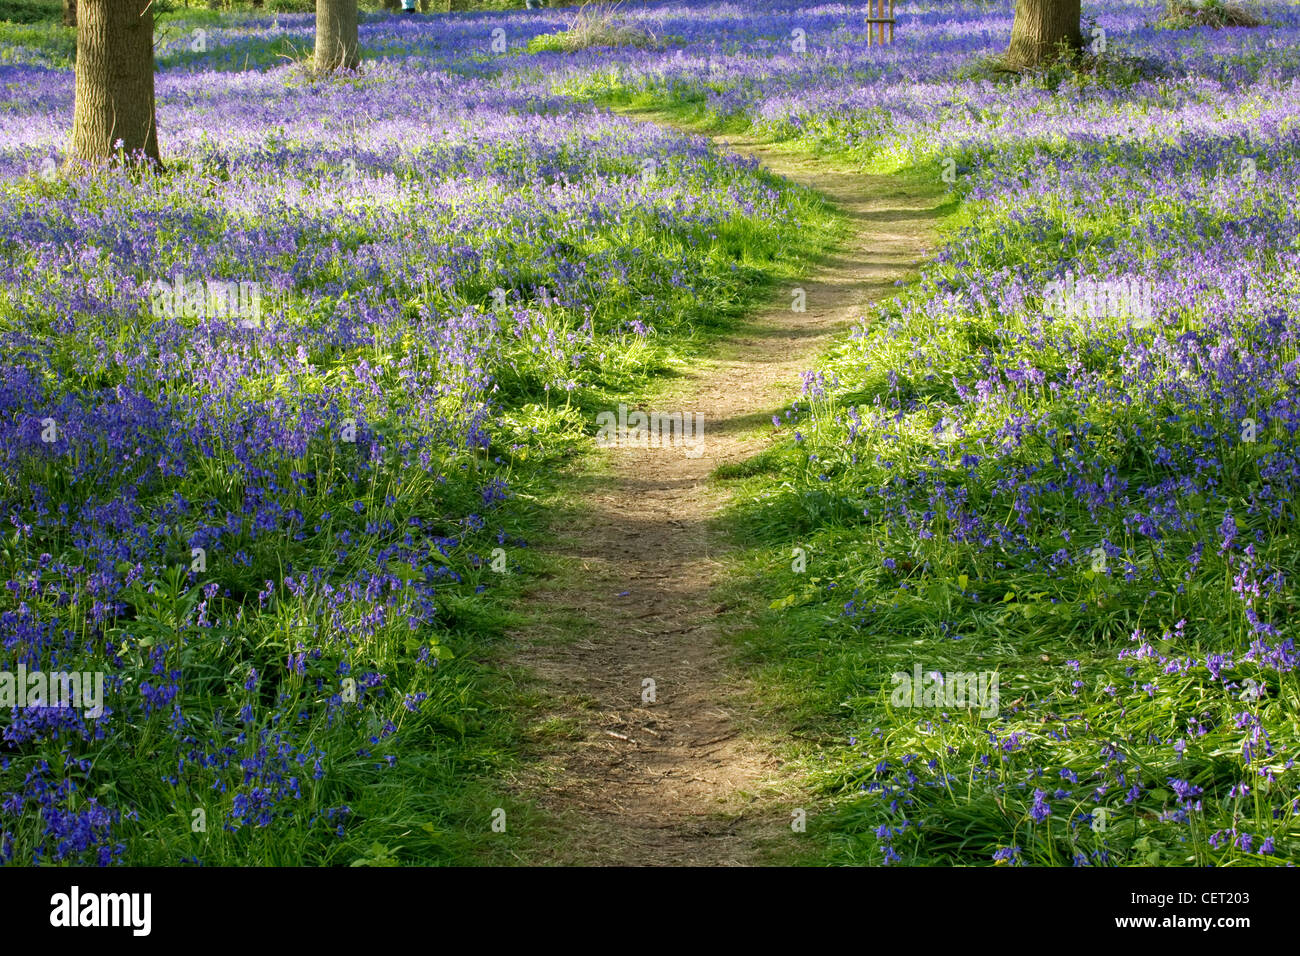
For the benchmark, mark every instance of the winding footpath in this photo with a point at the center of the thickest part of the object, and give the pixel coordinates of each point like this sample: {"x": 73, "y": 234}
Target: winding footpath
{"x": 692, "y": 776}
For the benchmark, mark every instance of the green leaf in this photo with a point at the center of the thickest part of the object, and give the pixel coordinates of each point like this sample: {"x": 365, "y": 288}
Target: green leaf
{"x": 435, "y": 834}
{"x": 781, "y": 604}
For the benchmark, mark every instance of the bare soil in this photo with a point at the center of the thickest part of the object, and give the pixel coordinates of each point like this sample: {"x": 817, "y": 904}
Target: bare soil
{"x": 695, "y": 775}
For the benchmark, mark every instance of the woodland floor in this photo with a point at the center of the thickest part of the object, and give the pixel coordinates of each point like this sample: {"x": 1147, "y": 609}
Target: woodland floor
{"x": 696, "y": 776}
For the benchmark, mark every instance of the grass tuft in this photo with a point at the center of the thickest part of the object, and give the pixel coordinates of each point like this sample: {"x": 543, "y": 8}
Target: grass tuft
{"x": 1186, "y": 14}
{"x": 594, "y": 25}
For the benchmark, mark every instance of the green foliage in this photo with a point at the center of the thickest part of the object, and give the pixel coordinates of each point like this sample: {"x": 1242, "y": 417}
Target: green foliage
{"x": 31, "y": 11}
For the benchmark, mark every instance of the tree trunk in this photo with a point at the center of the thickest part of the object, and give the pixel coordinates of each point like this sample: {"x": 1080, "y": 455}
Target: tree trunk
{"x": 392, "y": 4}
{"x": 336, "y": 35}
{"x": 1040, "y": 29}
{"x": 69, "y": 13}
{"x": 114, "y": 87}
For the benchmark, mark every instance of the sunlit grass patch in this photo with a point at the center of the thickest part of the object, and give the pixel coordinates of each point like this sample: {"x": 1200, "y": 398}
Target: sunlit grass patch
{"x": 596, "y": 24}
{"x": 1185, "y": 14}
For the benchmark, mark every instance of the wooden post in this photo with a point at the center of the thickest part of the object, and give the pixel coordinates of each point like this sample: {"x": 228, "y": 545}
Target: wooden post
{"x": 876, "y": 20}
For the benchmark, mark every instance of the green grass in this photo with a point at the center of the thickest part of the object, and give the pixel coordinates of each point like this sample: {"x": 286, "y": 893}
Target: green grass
{"x": 31, "y": 11}
{"x": 56, "y": 43}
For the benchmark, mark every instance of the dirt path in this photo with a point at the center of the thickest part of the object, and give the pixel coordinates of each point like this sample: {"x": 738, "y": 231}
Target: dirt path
{"x": 692, "y": 777}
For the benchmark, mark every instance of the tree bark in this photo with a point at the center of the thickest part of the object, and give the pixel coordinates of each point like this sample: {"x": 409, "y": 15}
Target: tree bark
{"x": 336, "y": 35}
{"x": 69, "y": 13}
{"x": 1042, "y": 30}
{"x": 114, "y": 85}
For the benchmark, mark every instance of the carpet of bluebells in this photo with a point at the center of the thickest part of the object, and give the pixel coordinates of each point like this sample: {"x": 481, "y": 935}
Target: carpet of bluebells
{"x": 1099, "y": 509}
{"x": 278, "y": 535}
